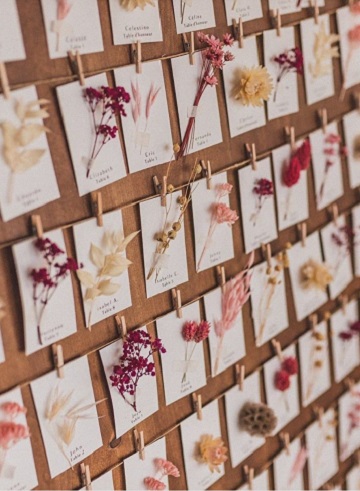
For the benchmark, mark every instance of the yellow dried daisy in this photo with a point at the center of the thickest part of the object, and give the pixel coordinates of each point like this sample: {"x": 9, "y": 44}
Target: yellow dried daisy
{"x": 315, "y": 275}
{"x": 212, "y": 452}
{"x": 131, "y": 5}
{"x": 252, "y": 86}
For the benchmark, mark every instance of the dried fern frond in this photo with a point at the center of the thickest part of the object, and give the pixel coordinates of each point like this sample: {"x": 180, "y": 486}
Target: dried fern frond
{"x": 56, "y": 403}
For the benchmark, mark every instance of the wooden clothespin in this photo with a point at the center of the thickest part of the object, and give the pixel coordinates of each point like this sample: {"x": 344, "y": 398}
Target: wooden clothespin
{"x": 58, "y": 356}
{"x": 343, "y": 300}
{"x": 323, "y": 117}
{"x": 206, "y": 167}
{"x": 238, "y": 31}
{"x": 36, "y": 225}
{"x": 290, "y": 134}
{"x": 319, "y": 413}
{"x": 121, "y": 325}
{"x": 349, "y": 383}
{"x": 302, "y": 228}
{"x": 176, "y": 297}
{"x": 313, "y": 321}
{"x": 189, "y": 46}
{"x": 251, "y": 153}
{"x": 240, "y": 375}
{"x": 276, "y": 20}
{"x": 285, "y": 440}
{"x": 76, "y": 65}
{"x": 221, "y": 277}
{"x": 161, "y": 188}
{"x": 249, "y": 475}
{"x": 140, "y": 443}
{"x": 266, "y": 250}
{"x": 357, "y": 458}
{"x": 356, "y": 97}
{"x": 137, "y": 56}
{"x": 97, "y": 207}
{"x": 4, "y": 81}
{"x": 85, "y": 476}
{"x": 314, "y": 5}
{"x": 197, "y": 402}
{"x": 277, "y": 347}
{"x": 334, "y": 212}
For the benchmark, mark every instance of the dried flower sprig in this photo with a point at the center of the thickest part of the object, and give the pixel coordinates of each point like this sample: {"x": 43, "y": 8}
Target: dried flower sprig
{"x": 263, "y": 189}
{"x": 290, "y": 61}
{"x": 252, "y": 86}
{"x": 316, "y": 361}
{"x": 343, "y": 238}
{"x": 298, "y": 465}
{"x": 212, "y": 451}
{"x": 353, "y": 417}
{"x": 131, "y": 5}
{"x": 353, "y": 330}
{"x": 289, "y": 367}
{"x": 324, "y": 51}
{"x": 332, "y": 149}
{"x": 163, "y": 468}
{"x": 353, "y": 38}
{"x": 194, "y": 333}
{"x": 315, "y": 275}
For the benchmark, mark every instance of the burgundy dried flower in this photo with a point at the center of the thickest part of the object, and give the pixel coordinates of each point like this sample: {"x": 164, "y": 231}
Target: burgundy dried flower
{"x": 291, "y": 172}
{"x": 290, "y": 365}
{"x": 189, "y": 331}
{"x": 282, "y": 380}
{"x": 355, "y": 327}
{"x": 345, "y": 335}
{"x": 263, "y": 187}
{"x": 288, "y": 62}
{"x": 303, "y": 153}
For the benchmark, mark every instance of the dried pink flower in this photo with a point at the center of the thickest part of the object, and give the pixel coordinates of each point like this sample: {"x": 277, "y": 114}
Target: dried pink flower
{"x": 202, "y": 331}
{"x": 11, "y": 433}
{"x": 224, "y": 214}
{"x": 167, "y": 468}
{"x": 298, "y": 464}
{"x": 12, "y": 409}
{"x": 195, "y": 333}
{"x": 263, "y": 189}
{"x": 189, "y": 331}
{"x": 228, "y": 39}
{"x": 223, "y": 189}
{"x": 154, "y": 484}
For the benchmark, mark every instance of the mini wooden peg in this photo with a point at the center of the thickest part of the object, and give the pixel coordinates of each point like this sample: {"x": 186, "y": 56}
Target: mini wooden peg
{"x": 197, "y": 402}
{"x": 349, "y": 383}
{"x": 249, "y": 474}
{"x": 290, "y": 133}
{"x": 76, "y": 65}
{"x": 85, "y": 476}
{"x": 314, "y": 5}
{"x": 97, "y": 207}
{"x": 140, "y": 443}
{"x": 176, "y": 297}
{"x": 343, "y": 300}
{"x": 319, "y": 413}
{"x": 36, "y": 225}
{"x": 334, "y": 212}
{"x": 163, "y": 191}
{"x": 189, "y": 46}
{"x": 121, "y": 325}
{"x": 220, "y": 272}
{"x": 251, "y": 152}
{"x": 356, "y": 97}
{"x": 276, "y": 19}
{"x": 137, "y": 55}
{"x": 323, "y": 117}
{"x": 313, "y": 321}
{"x": 285, "y": 440}
{"x": 357, "y": 457}
{"x": 4, "y": 81}
{"x": 302, "y": 228}
{"x": 266, "y": 249}
{"x": 58, "y": 356}
{"x": 238, "y": 30}
{"x": 240, "y": 375}
{"x": 277, "y": 347}
{"x": 206, "y": 167}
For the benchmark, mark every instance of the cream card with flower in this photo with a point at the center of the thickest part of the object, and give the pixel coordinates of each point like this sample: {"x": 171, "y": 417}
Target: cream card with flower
{"x": 309, "y": 276}
{"x": 246, "y": 9}
{"x": 104, "y": 274}
{"x": 336, "y": 240}
{"x": 281, "y": 386}
{"x": 183, "y": 364}
{"x": 349, "y": 427}
{"x": 103, "y": 482}
{"x": 259, "y": 483}
{"x": 131, "y": 408}
{"x": 353, "y": 478}
{"x": 348, "y": 22}
{"x": 314, "y": 363}
{"x": 17, "y": 466}
{"x": 2, "y": 352}
{"x": 213, "y": 220}
{"x": 147, "y": 131}
{"x": 355, "y": 216}
{"x": 66, "y": 30}
{"x": 207, "y": 131}
{"x": 351, "y": 125}
{"x": 345, "y": 328}
{"x": 97, "y": 156}
{"x": 193, "y": 15}
{"x": 44, "y": 276}
{"x": 201, "y": 441}
{"x": 326, "y": 151}
{"x": 319, "y": 49}
{"x": 285, "y": 6}
{"x": 165, "y": 267}
{"x": 11, "y": 39}
{"x": 257, "y": 205}
{"x": 322, "y": 453}
{"x": 268, "y": 300}
{"x": 288, "y": 467}
{"x": 283, "y": 62}
{"x": 242, "y": 443}
{"x": 26, "y": 169}
{"x": 135, "y": 20}
{"x": 68, "y": 415}
{"x": 247, "y": 85}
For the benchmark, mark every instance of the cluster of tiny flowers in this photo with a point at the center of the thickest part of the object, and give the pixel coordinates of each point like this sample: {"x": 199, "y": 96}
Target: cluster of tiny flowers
{"x": 291, "y": 61}
{"x": 11, "y": 433}
{"x": 215, "y": 53}
{"x": 353, "y": 330}
{"x": 299, "y": 161}
{"x": 343, "y": 237}
{"x": 288, "y": 368}
{"x": 263, "y": 187}
{"x": 195, "y": 331}
{"x": 333, "y": 148}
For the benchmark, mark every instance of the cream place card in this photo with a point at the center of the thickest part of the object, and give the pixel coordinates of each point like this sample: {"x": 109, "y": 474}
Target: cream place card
{"x": 46, "y": 321}
{"x": 11, "y": 39}
{"x": 259, "y": 483}
{"x": 355, "y": 215}
{"x": 213, "y": 220}
{"x": 303, "y": 260}
{"x": 353, "y": 478}
{"x": 207, "y": 130}
{"x": 284, "y": 98}
{"x": 246, "y": 9}
{"x": 26, "y": 168}
{"x": 66, "y": 30}
{"x": 257, "y": 205}
{"x": 349, "y": 430}
{"x": 129, "y": 410}
{"x": 241, "y": 443}
{"x": 104, "y": 275}
{"x": 322, "y": 453}
{"x": 314, "y": 363}
{"x": 197, "y": 436}
{"x": 147, "y": 131}
{"x": 351, "y": 125}
{"x": 2, "y": 352}
{"x": 348, "y": 22}
{"x": 336, "y": 240}
{"x": 319, "y": 48}
{"x": 95, "y": 164}
{"x": 164, "y": 268}
{"x": 345, "y": 340}
{"x": 288, "y": 467}
{"x": 135, "y": 21}
{"x": 183, "y": 364}
{"x": 193, "y": 15}
{"x": 103, "y": 482}
{"x": 17, "y": 466}
{"x": 281, "y": 388}
{"x": 227, "y": 347}
{"x": 326, "y": 160}
{"x": 243, "y": 116}
{"x": 285, "y": 6}
{"x": 68, "y": 415}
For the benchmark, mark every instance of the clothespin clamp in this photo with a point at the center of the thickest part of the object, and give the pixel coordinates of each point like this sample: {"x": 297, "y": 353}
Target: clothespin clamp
{"x": 139, "y": 443}
{"x": 357, "y": 458}
{"x": 4, "y": 81}
{"x": 319, "y": 413}
{"x": 290, "y": 134}
{"x": 240, "y": 375}
{"x": 76, "y": 65}
{"x": 276, "y": 20}
{"x": 161, "y": 188}
{"x": 189, "y": 46}
{"x": 313, "y": 321}
{"x": 249, "y": 475}
{"x": 238, "y": 30}
{"x": 176, "y": 297}
{"x": 357, "y": 100}
{"x": 285, "y": 440}
{"x": 97, "y": 207}
{"x": 206, "y": 167}
{"x": 36, "y": 225}
{"x": 302, "y": 228}
{"x": 197, "y": 402}
{"x": 251, "y": 153}
{"x": 58, "y": 356}
{"x": 349, "y": 383}
{"x": 314, "y": 5}
{"x": 323, "y": 117}
{"x": 277, "y": 347}
{"x": 85, "y": 476}
{"x": 121, "y": 325}
{"x": 344, "y": 300}
{"x": 266, "y": 250}
{"x": 334, "y": 212}
{"x": 220, "y": 272}
{"x": 137, "y": 56}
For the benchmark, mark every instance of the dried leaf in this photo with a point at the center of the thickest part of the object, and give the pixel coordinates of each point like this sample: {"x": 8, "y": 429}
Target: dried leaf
{"x": 79, "y": 412}
{"x": 56, "y": 402}
{"x": 66, "y": 430}
{"x": 92, "y": 293}
{"x": 86, "y": 278}
{"x": 108, "y": 288}
{"x": 97, "y": 256}
{"x": 28, "y": 133}
{"x": 125, "y": 242}
{"x": 107, "y": 240}
{"x": 115, "y": 265}
{"x": 27, "y": 159}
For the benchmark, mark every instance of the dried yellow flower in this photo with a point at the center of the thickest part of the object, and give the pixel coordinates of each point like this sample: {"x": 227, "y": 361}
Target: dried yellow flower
{"x": 315, "y": 275}
{"x": 324, "y": 51}
{"x": 212, "y": 451}
{"x": 131, "y": 5}
{"x": 252, "y": 86}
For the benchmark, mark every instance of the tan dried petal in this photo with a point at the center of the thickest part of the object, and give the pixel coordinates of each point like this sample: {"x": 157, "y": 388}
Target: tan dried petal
{"x": 323, "y": 52}
{"x": 108, "y": 288}
{"x": 252, "y": 86}
{"x": 85, "y": 278}
{"x": 97, "y": 256}
{"x": 131, "y": 5}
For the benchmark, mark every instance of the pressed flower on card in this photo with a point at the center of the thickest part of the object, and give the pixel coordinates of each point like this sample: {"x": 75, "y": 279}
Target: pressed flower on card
{"x": 298, "y": 465}
{"x": 212, "y": 451}
{"x": 343, "y": 239}
{"x": 353, "y": 421}
{"x": 332, "y": 149}
{"x": 60, "y": 26}
{"x": 257, "y": 419}
{"x": 290, "y": 61}
{"x": 324, "y": 52}
{"x": 315, "y": 275}
{"x": 282, "y": 380}
{"x": 263, "y": 189}
{"x": 353, "y": 39}
{"x": 252, "y": 86}
{"x": 131, "y": 5}
{"x": 317, "y": 355}
{"x": 193, "y": 333}
{"x": 163, "y": 468}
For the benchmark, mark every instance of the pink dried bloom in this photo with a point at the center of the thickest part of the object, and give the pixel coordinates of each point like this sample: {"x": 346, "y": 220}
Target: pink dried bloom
{"x": 167, "y": 468}
{"x": 223, "y": 189}
{"x": 228, "y": 39}
{"x": 354, "y": 35}
{"x": 202, "y": 331}
{"x": 154, "y": 484}
{"x": 11, "y": 433}
{"x": 298, "y": 464}
{"x": 63, "y": 9}
{"x": 211, "y": 80}
{"x": 189, "y": 330}
{"x": 153, "y": 93}
{"x": 12, "y": 409}
{"x": 332, "y": 138}
{"x": 229, "y": 56}
{"x": 355, "y": 8}
{"x": 224, "y": 214}
{"x": 263, "y": 187}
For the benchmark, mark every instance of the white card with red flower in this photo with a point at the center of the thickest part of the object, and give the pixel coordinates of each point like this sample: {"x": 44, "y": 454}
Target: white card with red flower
{"x": 146, "y": 127}
{"x": 351, "y": 125}
{"x": 167, "y": 269}
{"x": 193, "y": 15}
{"x": 26, "y": 168}
{"x": 213, "y": 219}
{"x": 318, "y": 65}
{"x": 314, "y": 363}
{"x": 348, "y": 23}
{"x": 285, "y": 403}
{"x": 257, "y": 205}
{"x": 228, "y": 347}
{"x": 246, "y": 9}
{"x": 66, "y": 30}
{"x": 292, "y": 202}
{"x": 242, "y": 118}
{"x": 125, "y": 415}
{"x": 268, "y": 301}
{"x": 105, "y": 280}
{"x": 194, "y": 432}
{"x": 105, "y": 481}
{"x": 337, "y": 252}
{"x": 326, "y": 164}
{"x": 355, "y": 216}
{"x": 44, "y": 323}
{"x": 2, "y": 352}
{"x": 131, "y": 22}
{"x": 95, "y": 165}
{"x": 17, "y": 466}
{"x": 259, "y": 483}
{"x": 68, "y": 415}
{"x": 344, "y": 342}
{"x": 321, "y": 445}
{"x": 11, "y": 39}
{"x": 286, "y": 475}
{"x": 183, "y": 364}
{"x": 349, "y": 430}
{"x": 241, "y": 443}
{"x": 307, "y": 298}
{"x": 207, "y": 131}
{"x": 284, "y": 97}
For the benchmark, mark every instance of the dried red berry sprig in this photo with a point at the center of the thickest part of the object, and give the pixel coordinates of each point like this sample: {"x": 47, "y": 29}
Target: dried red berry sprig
{"x": 263, "y": 189}
{"x": 290, "y": 61}
{"x": 195, "y": 333}
{"x": 289, "y": 367}
{"x": 353, "y": 330}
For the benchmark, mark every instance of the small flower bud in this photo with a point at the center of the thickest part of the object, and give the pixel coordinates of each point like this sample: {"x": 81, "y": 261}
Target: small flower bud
{"x": 176, "y": 226}
{"x": 182, "y": 200}
{"x": 176, "y": 148}
{"x": 269, "y": 270}
{"x": 172, "y": 234}
{"x": 170, "y": 188}
{"x": 198, "y": 169}
{"x": 318, "y": 364}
